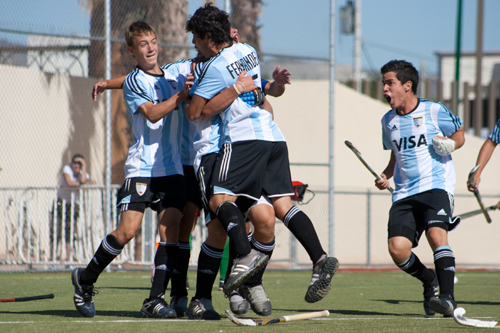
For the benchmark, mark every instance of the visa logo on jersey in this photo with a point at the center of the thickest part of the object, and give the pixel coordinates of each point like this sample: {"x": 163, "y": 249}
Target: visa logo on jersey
{"x": 410, "y": 142}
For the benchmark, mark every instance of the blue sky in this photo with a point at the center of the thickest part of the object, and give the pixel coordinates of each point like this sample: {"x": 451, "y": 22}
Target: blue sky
{"x": 403, "y": 29}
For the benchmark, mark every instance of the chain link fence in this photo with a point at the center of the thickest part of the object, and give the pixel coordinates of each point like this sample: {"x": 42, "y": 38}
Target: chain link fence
{"x": 51, "y": 55}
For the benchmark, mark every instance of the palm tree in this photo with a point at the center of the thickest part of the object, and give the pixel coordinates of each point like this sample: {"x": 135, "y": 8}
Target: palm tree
{"x": 244, "y": 17}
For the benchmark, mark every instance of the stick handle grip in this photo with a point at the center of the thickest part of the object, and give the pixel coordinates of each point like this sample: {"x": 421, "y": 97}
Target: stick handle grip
{"x": 25, "y": 299}
{"x": 308, "y": 315}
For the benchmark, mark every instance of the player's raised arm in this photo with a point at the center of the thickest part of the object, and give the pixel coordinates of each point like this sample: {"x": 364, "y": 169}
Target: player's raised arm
{"x": 276, "y": 88}
{"x": 101, "y": 86}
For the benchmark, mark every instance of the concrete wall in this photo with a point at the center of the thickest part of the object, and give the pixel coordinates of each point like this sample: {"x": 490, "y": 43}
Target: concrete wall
{"x": 46, "y": 118}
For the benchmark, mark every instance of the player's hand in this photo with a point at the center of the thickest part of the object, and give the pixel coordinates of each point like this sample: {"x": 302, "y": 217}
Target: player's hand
{"x": 99, "y": 88}
{"x": 497, "y": 205}
{"x": 442, "y": 145}
{"x": 282, "y": 77}
{"x": 187, "y": 85}
{"x": 477, "y": 180}
{"x": 382, "y": 184}
{"x": 247, "y": 82}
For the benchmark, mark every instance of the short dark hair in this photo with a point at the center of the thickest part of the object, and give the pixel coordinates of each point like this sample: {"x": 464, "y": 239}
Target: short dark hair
{"x": 136, "y": 29}
{"x": 213, "y": 21}
{"x": 405, "y": 72}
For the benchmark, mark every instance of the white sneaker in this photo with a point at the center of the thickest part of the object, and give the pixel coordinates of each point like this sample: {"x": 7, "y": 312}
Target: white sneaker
{"x": 258, "y": 299}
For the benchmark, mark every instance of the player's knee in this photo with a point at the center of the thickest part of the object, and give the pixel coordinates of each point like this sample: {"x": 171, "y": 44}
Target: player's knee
{"x": 399, "y": 249}
{"x": 216, "y": 235}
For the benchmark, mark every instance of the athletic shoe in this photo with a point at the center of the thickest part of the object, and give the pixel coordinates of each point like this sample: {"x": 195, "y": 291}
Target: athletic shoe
{"x": 179, "y": 304}
{"x": 258, "y": 299}
{"x": 443, "y": 304}
{"x": 430, "y": 290}
{"x": 321, "y": 280}
{"x": 156, "y": 307}
{"x": 83, "y": 300}
{"x": 202, "y": 308}
{"x": 237, "y": 303}
{"x": 244, "y": 268}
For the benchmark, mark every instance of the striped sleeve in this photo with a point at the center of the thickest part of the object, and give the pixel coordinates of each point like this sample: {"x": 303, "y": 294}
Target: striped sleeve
{"x": 495, "y": 133}
{"x": 135, "y": 91}
{"x": 448, "y": 123}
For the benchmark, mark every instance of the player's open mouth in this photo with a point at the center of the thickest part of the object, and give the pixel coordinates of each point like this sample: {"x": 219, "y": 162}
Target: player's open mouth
{"x": 388, "y": 98}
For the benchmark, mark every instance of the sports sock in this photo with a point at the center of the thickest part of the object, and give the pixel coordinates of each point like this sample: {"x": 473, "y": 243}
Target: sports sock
{"x": 106, "y": 252}
{"x": 179, "y": 274}
{"x": 444, "y": 261}
{"x": 208, "y": 265}
{"x": 302, "y": 228}
{"x": 415, "y": 268}
{"x": 165, "y": 261}
{"x": 224, "y": 262}
{"x": 233, "y": 254}
{"x": 266, "y": 248}
{"x": 234, "y": 223}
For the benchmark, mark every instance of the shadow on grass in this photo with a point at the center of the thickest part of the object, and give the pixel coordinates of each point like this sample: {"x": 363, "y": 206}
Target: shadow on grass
{"x": 75, "y": 314}
{"x": 460, "y": 302}
{"x": 123, "y": 288}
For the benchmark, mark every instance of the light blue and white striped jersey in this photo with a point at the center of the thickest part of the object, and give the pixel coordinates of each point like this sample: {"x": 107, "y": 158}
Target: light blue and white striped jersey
{"x": 207, "y": 138}
{"x": 241, "y": 122}
{"x": 495, "y": 133}
{"x": 418, "y": 167}
{"x": 155, "y": 150}
{"x": 180, "y": 69}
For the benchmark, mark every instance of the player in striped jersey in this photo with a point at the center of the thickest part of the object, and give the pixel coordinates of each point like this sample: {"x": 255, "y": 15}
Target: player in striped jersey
{"x": 254, "y": 159}
{"x": 153, "y": 174}
{"x": 177, "y": 71}
{"x": 485, "y": 154}
{"x": 421, "y": 135}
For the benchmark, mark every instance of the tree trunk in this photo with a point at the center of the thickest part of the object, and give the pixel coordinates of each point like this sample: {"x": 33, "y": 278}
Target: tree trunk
{"x": 244, "y": 17}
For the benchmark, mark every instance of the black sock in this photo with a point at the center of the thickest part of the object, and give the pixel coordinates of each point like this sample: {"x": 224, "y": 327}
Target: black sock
{"x": 233, "y": 254}
{"x": 444, "y": 261}
{"x": 266, "y": 248}
{"x": 179, "y": 273}
{"x": 165, "y": 260}
{"x": 302, "y": 228}
{"x": 415, "y": 268}
{"x": 234, "y": 223}
{"x": 208, "y": 267}
{"x": 106, "y": 252}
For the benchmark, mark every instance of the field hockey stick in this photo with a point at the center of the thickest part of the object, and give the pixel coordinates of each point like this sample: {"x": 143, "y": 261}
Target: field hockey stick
{"x": 472, "y": 183}
{"x": 476, "y": 212}
{"x": 25, "y": 299}
{"x": 268, "y": 321}
{"x": 361, "y": 158}
{"x": 458, "y": 315}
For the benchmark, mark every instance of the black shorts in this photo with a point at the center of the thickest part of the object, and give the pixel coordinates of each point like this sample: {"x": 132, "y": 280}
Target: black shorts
{"x": 158, "y": 193}
{"x": 410, "y": 217}
{"x": 204, "y": 176}
{"x": 253, "y": 168}
{"x": 193, "y": 193}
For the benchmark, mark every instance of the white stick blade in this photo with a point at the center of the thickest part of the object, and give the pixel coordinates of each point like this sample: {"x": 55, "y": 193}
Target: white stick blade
{"x": 240, "y": 321}
{"x": 459, "y": 318}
